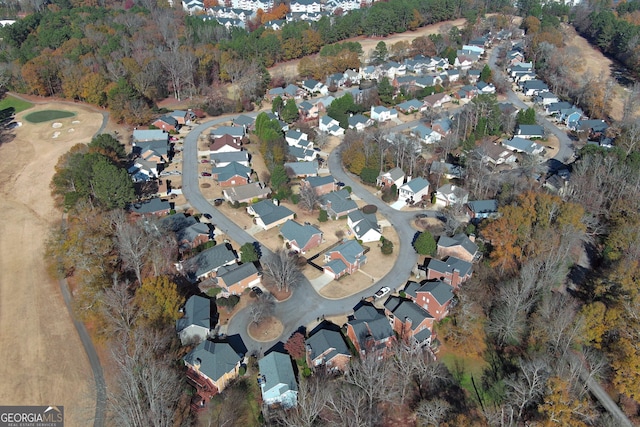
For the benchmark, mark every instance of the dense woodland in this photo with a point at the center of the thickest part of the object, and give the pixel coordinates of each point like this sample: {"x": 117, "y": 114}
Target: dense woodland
{"x": 553, "y": 302}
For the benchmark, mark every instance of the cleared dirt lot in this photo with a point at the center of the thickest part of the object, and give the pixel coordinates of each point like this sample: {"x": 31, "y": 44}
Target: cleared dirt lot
{"x": 43, "y": 361}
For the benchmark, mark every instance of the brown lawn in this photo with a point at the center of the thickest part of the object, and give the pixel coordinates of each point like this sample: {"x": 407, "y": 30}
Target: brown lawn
{"x": 43, "y": 361}
{"x": 596, "y": 63}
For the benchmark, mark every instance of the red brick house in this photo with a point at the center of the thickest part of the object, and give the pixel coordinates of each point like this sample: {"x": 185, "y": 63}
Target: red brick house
{"x": 326, "y": 347}
{"x": 231, "y": 175}
{"x": 452, "y": 271}
{"x": 321, "y": 184}
{"x": 150, "y": 207}
{"x": 412, "y": 323}
{"x": 234, "y": 279}
{"x": 459, "y": 246}
{"x": 370, "y": 331}
{"x": 344, "y": 259}
{"x": 434, "y": 296}
{"x": 166, "y": 123}
{"x": 300, "y": 238}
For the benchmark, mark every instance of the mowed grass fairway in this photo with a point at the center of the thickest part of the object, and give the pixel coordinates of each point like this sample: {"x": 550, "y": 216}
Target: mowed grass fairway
{"x": 18, "y": 104}
{"x": 47, "y": 115}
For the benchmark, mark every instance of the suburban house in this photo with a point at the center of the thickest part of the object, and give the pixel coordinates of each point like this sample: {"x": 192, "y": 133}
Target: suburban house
{"x": 442, "y": 126}
{"x": 321, "y": 184}
{"x": 481, "y": 209}
{"x": 338, "y": 204}
{"x": 166, "y": 123}
{"x": 224, "y": 158}
{"x": 154, "y": 150}
{"x": 434, "y": 296}
{"x": 529, "y": 131}
{"x": 236, "y": 132}
{"x": 183, "y": 117}
{"x": 231, "y": 175}
{"x": 297, "y": 139}
{"x": 555, "y": 107}
{"x": 546, "y": 98}
{"x": 143, "y": 170}
{"x": 207, "y": 263}
{"x": 369, "y": 331}
{"x": 345, "y": 258}
{"x": 300, "y": 238}
{"x": 521, "y": 145}
{"x": 451, "y": 195}
{"x": 245, "y": 121}
{"x": 484, "y": 88}
{"x": 364, "y": 226}
{"x": 268, "y": 214}
{"x": 453, "y": 271}
{"x": 436, "y": 100}
{"x": 246, "y": 193}
{"x": 312, "y": 86}
{"x": 359, "y": 122}
{"x": 410, "y": 106}
{"x": 382, "y": 114}
{"x": 414, "y": 190}
{"x": 326, "y": 347}
{"x": 148, "y": 135}
{"x": 301, "y": 154}
{"x": 301, "y": 169}
{"x": 330, "y": 125}
{"x": 198, "y": 318}
{"x": 412, "y": 323}
{"x": 534, "y": 87}
{"x": 426, "y": 134}
{"x": 225, "y": 144}
{"x": 392, "y": 177}
{"x": 497, "y": 155}
{"x": 460, "y": 246}
{"x": 189, "y": 232}
{"x": 211, "y": 366}
{"x": 277, "y": 380}
{"x": 151, "y": 207}
{"x": 235, "y": 278}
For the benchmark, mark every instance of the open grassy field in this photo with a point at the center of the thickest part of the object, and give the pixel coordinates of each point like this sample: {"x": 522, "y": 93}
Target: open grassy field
{"x": 18, "y": 104}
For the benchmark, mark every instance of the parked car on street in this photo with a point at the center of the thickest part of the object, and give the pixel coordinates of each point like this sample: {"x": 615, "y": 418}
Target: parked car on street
{"x": 206, "y": 174}
{"x": 382, "y": 292}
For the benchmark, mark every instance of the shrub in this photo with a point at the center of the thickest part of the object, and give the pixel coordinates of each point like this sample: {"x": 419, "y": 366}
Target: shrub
{"x": 369, "y": 175}
{"x": 425, "y": 244}
{"x": 295, "y": 198}
{"x": 369, "y": 209}
{"x": 348, "y": 188}
{"x": 387, "y": 246}
{"x": 230, "y": 302}
{"x": 323, "y": 216}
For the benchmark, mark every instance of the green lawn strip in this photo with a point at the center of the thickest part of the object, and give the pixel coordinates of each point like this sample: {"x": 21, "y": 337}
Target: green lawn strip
{"x": 18, "y": 104}
{"x": 463, "y": 368}
{"x": 47, "y": 115}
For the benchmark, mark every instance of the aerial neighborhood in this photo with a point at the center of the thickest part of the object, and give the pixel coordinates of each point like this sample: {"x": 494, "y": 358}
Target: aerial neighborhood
{"x": 436, "y": 231}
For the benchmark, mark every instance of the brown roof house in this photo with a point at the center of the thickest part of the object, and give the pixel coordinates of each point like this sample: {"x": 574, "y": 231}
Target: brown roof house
{"x": 434, "y": 296}
{"x": 268, "y": 213}
{"x": 300, "y": 238}
{"x": 345, "y": 258}
{"x": 225, "y": 144}
{"x": 326, "y": 347}
{"x": 369, "y": 331}
{"x": 234, "y": 278}
{"x": 412, "y": 323}
{"x": 460, "y": 246}
{"x": 453, "y": 271}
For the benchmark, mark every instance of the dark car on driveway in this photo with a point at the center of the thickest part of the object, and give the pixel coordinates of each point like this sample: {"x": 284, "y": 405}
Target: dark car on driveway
{"x": 218, "y": 202}
{"x": 208, "y": 216}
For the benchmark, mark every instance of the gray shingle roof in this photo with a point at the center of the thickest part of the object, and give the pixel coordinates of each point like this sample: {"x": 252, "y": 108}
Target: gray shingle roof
{"x": 483, "y": 206}
{"x": 208, "y": 260}
{"x": 394, "y": 174}
{"x": 303, "y": 168}
{"x": 150, "y": 206}
{"x": 230, "y": 156}
{"x": 301, "y": 234}
{"x": 337, "y": 266}
{"x": 339, "y": 201}
{"x": 229, "y": 171}
{"x": 277, "y": 369}
{"x": 325, "y": 340}
{"x": 216, "y": 358}
{"x": 191, "y": 232}
{"x": 350, "y": 250}
{"x": 459, "y": 239}
{"x": 448, "y": 266}
{"x": 234, "y": 273}
{"x": 270, "y": 212}
{"x": 197, "y": 311}
{"x": 363, "y": 223}
{"x": 441, "y": 291}
{"x": 176, "y": 222}
{"x": 417, "y": 184}
{"x": 407, "y": 309}
{"x": 367, "y": 320}
{"x": 317, "y": 181}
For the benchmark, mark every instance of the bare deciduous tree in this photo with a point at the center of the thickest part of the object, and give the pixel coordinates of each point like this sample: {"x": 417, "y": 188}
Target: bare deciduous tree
{"x": 528, "y": 386}
{"x": 370, "y": 376}
{"x": 282, "y": 270}
{"x": 132, "y": 241}
{"x": 348, "y": 408}
{"x": 432, "y": 412}
{"x": 308, "y": 198}
{"x": 262, "y": 308}
{"x": 313, "y": 395}
{"x": 117, "y": 308}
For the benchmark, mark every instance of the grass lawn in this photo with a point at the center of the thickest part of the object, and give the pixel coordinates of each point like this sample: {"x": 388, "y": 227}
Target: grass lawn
{"x": 463, "y": 368}
{"x": 19, "y": 105}
{"x": 48, "y": 115}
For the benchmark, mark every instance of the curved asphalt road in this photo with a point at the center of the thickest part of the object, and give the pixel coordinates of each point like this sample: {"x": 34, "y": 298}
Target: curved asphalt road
{"x": 305, "y": 304}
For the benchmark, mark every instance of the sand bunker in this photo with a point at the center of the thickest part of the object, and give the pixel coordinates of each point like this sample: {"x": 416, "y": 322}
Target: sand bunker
{"x": 71, "y": 130}
{"x": 56, "y": 134}
{"x": 56, "y": 125}
{"x": 75, "y": 122}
